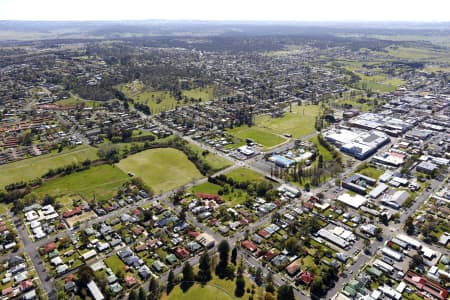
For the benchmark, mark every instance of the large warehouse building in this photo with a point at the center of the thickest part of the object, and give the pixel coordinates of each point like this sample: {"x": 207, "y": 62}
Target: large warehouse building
{"x": 359, "y": 144}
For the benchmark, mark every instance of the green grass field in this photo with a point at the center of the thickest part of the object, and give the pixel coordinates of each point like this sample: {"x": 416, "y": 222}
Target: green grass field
{"x": 325, "y": 153}
{"x": 258, "y": 135}
{"x": 299, "y": 122}
{"x": 160, "y": 101}
{"x": 204, "y": 94}
{"x": 216, "y": 162}
{"x": 31, "y": 168}
{"x": 379, "y": 83}
{"x": 371, "y": 172}
{"x": 161, "y": 169}
{"x": 115, "y": 263}
{"x": 207, "y": 187}
{"x": 243, "y": 174}
{"x": 216, "y": 289}
{"x": 103, "y": 180}
{"x": 419, "y": 53}
{"x": 74, "y": 100}
{"x": 199, "y": 292}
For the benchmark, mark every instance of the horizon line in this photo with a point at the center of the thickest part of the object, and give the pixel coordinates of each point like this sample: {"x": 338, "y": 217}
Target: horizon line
{"x": 232, "y": 20}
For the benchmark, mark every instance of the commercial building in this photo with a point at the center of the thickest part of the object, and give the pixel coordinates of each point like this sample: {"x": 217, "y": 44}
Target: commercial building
{"x": 390, "y": 125}
{"x": 385, "y": 267}
{"x": 426, "y": 167}
{"x": 355, "y": 201}
{"x": 206, "y": 240}
{"x": 423, "y": 284}
{"x": 395, "y": 200}
{"x": 357, "y": 183}
{"x": 359, "y": 144}
{"x": 390, "y": 158}
{"x": 331, "y": 237}
{"x": 281, "y": 161}
{"x": 419, "y": 135}
{"x": 392, "y": 253}
{"x": 95, "y": 291}
{"x": 378, "y": 190}
{"x": 289, "y": 190}
{"x": 410, "y": 241}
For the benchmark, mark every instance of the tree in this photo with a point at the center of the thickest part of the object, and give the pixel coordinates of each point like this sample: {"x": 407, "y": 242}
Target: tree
{"x": 383, "y": 219}
{"x": 142, "y": 294}
{"x": 133, "y": 295}
{"x": 240, "y": 286}
{"x": 269, "y": 283}
{"x": 204, "y": 272}
{"x": 234, "y": 255}
{"x": 153, "y": 289}
{"x": 85, "y": 275}
{"x": 285, "y": 292}
{"x": 224, "y": 250}
{"x": 188, "y": 276}
{"x": 307, "y": 186}
{"x": 170, "y": 281}
{"x": 109, "y": 152}
{"x": 259, "y": 276}
{"x": 291, "y": 245}
{"x": 316, "y": 287}
{"x": 409, "y": 226}
{"x": 417, "y": 260}
{"x": 320, "y": 162}
{"x": 229, "y": 271}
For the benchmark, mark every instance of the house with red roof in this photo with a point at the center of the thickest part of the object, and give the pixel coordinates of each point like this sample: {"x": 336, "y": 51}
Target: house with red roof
{"x": 181, "y": 252}
{"x": 308, "y": 204}
{"x": 194, "y": 234}
{"x": 265, "y": 234}
{"x": 214, "y": 197}
{"x": 270, "y": 255}
{"x": 293, "y": 268}
{"x": 423, "y": 284}
{"x": 130, "y": 281}
{"x": 26, "y": 285}
{"x": 306, "y": 277}
{"x": 249, "y": 245}
{"x": 70, "y": 213}
{"x": 141, "y": 248}
{"x": 49, "y": 247}
{"x": 69, "y": 278}
{"x": 137, "y": 230}
{"x": 7, "y": 291}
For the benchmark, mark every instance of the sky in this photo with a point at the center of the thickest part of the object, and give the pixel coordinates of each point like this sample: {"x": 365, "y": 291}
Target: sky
{"x": 276, "y": 10}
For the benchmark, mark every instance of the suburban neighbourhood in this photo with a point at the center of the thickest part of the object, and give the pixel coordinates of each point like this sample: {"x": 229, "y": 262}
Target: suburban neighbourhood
{"x": 237, "y": 167}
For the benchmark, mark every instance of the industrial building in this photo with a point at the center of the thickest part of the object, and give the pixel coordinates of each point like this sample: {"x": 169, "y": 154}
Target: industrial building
{"x": 391, "y": 126}
{"x": 391, "y": 253}
{"x": 390, "y": 158}
{"x": 378, "y": 190}
{"x": 410, "y": 241}
{"x": 419, "y": 134}
{"x": 426, "y": 167}
{"x": 281, "y": 161}
{"x": 359, "y": 144}
{"x": 355, "y": 201}
{"x": 335, "y": 239}
{"x": 396, "y": 199}
{"x": 357, "y": 183}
